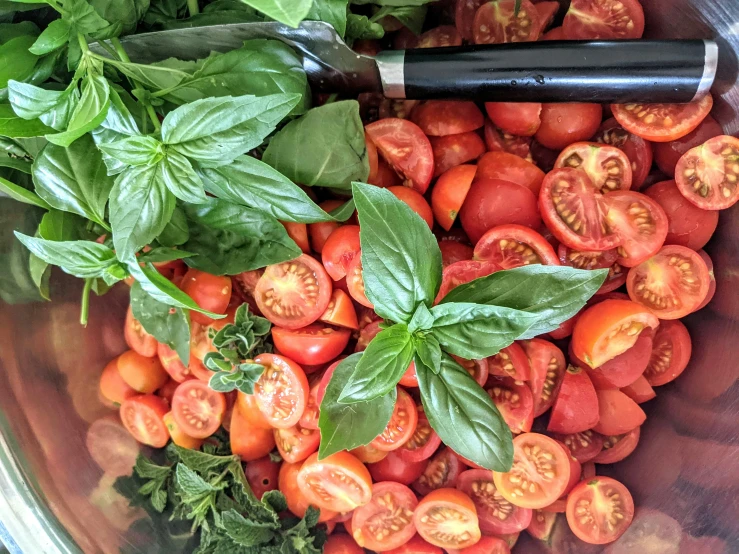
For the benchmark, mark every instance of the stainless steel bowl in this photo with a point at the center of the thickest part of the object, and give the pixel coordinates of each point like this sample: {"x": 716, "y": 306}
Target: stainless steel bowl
{"x": 54, "y": 497}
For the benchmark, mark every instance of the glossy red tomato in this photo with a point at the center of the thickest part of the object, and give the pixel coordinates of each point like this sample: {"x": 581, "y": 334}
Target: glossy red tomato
{"x": 417, "y": 546}
{"x": 386, "y": 522}
{"x": 498, "y": 22}
{"x": 341, "y": 544}
{"x": 295, "y": 444}
{"x": 637, "y": 150}
{"x": 422, "y": 444}
{"x": 447, "y": 518}
{"x": 575, "y": 409}
{"x": 262, "y": 475}
{"x": 667, "y": 154}
{"x": 513, "y": 245}
{"x": 311, "y": 345}
{"x": 583, "y": 446}
{"x": 340, "y": 311}
{"x": 246, "y": 405}
{"x": 438, "y": 118}
{"x": 511, "y": 362}
{"x": 639, "y": 222}
{"x": 514, "y": 402}
{"x": 339, "y": 250}
{"x": 392, "y": 467}
{"x": 662, "y": 122}
{"x": 137, "y": 338}
{"x": 210, "y": 292}
{"x": 297, "y": 502}
{"x": 517, "y": 118}
{"x": 497, "y": 140}
{"x": 639, "y": 391}
{"x": 670, "y": 354}
{"x": 198, "y": 409}
{"x": 444, "y": 35}
{"x": 416, "y": 202}
{"x": 281, "y": 393}
{"x": 453, "y": 251}
{"x": 453, "y": 150}
{"x": 707, "y": 174}
{"x": 319, "y": 232}
{"x": 143, "y": 417}
{"x": 142, "y": 374}
{"x": 463, "y": 272}
{"x": 309, "y": 419}
{"x": 510, "y": 167}
{"x": 464, "y": 17}
{"x": 405, "y": 146}
{"x": 355, "y": 283}
{"x": 619, "y": 414}
{"x": 299, "y": 233}
{"x": 172, "y": 364}
{"x": 547, "y": 368}
{"x": 449, "y": 192}
{"x": 401, "y": 426}
{"x": 339, "y": 481}
{"x": 594, "y": 259}
{"x": 563, "y": 124}
{"x": 623, "y": 369}
{"x": 497, "y": 516}
{"x": 603, "y": 19}
{"x": 608, "y": 167}
{"x": 600, "y": 510}
{"x": 442, "y": 471}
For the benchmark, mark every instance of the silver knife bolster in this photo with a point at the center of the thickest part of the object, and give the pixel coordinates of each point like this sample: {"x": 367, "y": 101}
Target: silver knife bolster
{"x": 391, "y": 65}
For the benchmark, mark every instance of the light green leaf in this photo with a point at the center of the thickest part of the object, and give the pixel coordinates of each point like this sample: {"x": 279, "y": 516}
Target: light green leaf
{"x": 54, "y": 36}
{"x": 13, "y": 126}
{"x": 118, "y": 124}
{"x": 331, "y": 11}
{"x": 359, "y": 27}
{"x": 429, "y": 352}
{"x": 82, "y": 16}
{"x": 88, "y": 113}
{"x": 422, "y": 319}
{"x": 20, "y": 194}
{"x": 16, "y": 62}
{"x": 52, "y": 107}
{"x": 134, "y": 150}
{"x": 181, "y": 179}
{"x": 81, "y": 258}
{"x": 289, "y": 12}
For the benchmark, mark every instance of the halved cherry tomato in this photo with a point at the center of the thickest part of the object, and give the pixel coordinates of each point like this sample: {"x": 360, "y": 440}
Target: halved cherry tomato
{"x": 319, "y": 232}
{"x": 339, "y": 481}
{"x": 517, "y": 118}
{"x": 542, "y": 524}
{"x": 142, "y": 374}
{"x": 584, "y": 446}
{"x": 262, "y": 475}
{"x": 444, "y": 35}
{"x": 294, "y": 294}
{"x": 672, "y": 283}
{"x": 248, "y": 441}
{"x": 671, "y": 350}
{"x": 600, "y": 510}
{"x": 707, "y": 175}
{"x": 478, "y": 369}
{"x": 112, "y": 385}
{"x": 514, "y": 402}
{"x": 198, "y": 409}
{"x": 498, "y": 22}
{"x": 563, "y": 124}
{"x": 453, "y": 150}
{"x": 370, "y": 455}
{"x": 311, "y": 345}
{"x": 210, "y": 292}
{"x": 639, "y": 391}
{"x": 394, "y": 468}
{"x": 608, "y": 167}
{"x": 616, "y": 277}
{"x": 510, "y": 167}
{"x": 511, "y": 362}
{"x": 497, "y": 516}
{"x": 339, "y": 250}
{"x": 576, "y": 407}
{"x": 625, "y": 368}
{"x": 111, "y": 446}
{"x": 178, "y": 436}
{"x": 637, "y": 150}
{"x": 416, "y": 202}
{"x": 547, "y": 365}
{"x": 575, "y": 473}
{"x": 497, "y": 140}
{"x": 281, "y": 391}
{"x": 463, "y": 272}
{"x": 417, "y": 546}
{"x": 386, "y": 522}
{"x": 447, "y": 518}
{"x": 442, "y": 471}
{"x": 172, "y": 364}
{"x": 540, "y": 472}
{"x": 406, "y": 148}
{"x": 295, "y": 443}
{"x": 453, "y": 251}
{"x": 608, "y": 329}
{"x": 401, "y": 426}
{"x": 246, "y": 404}
{"x": 513, "y": 245}
{"x": 297, "y": 502}
{"x": 143, "y": 417}
{"x": 464, "y": 17}
{"x": 595, "y": 259}
{"x": 340, "y": 311}
{"x": 619, "y": 414}
{"x": 438, "y": 118}
{"x": 137, "y": 338}
{"x": 309, "y": 419}
{"x": 603, "y": 19}
{"x": 639, "y": 222}
{"x": 667, "y": 154}
{"x": 422, "y": 444}
{"x": 662, "y": 122}
{"x": 449, "y": 192}
{"x": 355, "y": 282}
{"x": 488, "y": 545}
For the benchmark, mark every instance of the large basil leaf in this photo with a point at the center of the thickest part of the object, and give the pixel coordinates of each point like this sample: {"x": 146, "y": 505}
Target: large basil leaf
{"x": 464, "y": 416}
{"x": 52, "y": 107}
{"x": 331, "y": 11}
{"x": 133, "y": 150}
{"x": 289, "y": 12}
{"x": 73, "y": 179}
{"x": 252, "y": 183}
{"x": 475, "y": 331}
{"x": 140, "y": 207}
{"x": 215, "y": 131}
{"x": 16, "y": 62}
{"x": 54, "y": 36}
{"x": 83, "y": 17}
{"x": 347, "y": 426}
{"x": 13, "y": 126}
{"x": 161, "y": 11}
{"x": 381, "y": 366}
{"x": 330, "y": 139}
{"x": 20, "y": 194}
{"x": 554, "y": 293}
{"x": 220, "y": 12}
{"x": 230, "y": 239}
{"x": 89, "y": 112}
{"x": 400, "y": 256}
{"x": 156, "y": 76}
{"x": 170, "y": 326}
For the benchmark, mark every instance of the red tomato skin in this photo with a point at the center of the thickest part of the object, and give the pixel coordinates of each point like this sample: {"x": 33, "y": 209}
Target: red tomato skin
{"x": 262, "y": 475}
{"x": 299, "y": 396}
{"x": 304, "y": 445}
{"x": 582, "y": 21}
{"x": 210, "y": 292}
{"x": 311, "y": 345}
{"x": 453, "y": 251}
{"x": 112, "y": 385}
{"x": 605, "y": 536}
{"x": 438, "y": 118}
{"x": 671, "y": 340}
{"x": 518, "y": 414}
{"x": 319, "y": 232}
{"x": 424, "y": 452}
{"x": 341, "y": 544}
{"x": 510, "y": 167}
{"x": 488, "y": 247}
{"x": 563, "y": 124}
{"x": 415, "y": 546}
{"x": 453, "y": 150}
{"x": 639, "y": 391}
{"x": 172, "y": 364}
{"x": 339, "y": 250}
{"x": 576, "y": 407}
{"x": 415, "y": 202}
{"x": 248, "y": 441}
{"x": 666, "y": 154}
{"x": 517, "y": 118}
{"x": 137, "y": 338}
{"x": 395, "y": 434}
{"x": 486, "y": 545}
{"x": 155, "y": 408}
{"x": 614, "y": 407}
{"x": 299, "y": 233}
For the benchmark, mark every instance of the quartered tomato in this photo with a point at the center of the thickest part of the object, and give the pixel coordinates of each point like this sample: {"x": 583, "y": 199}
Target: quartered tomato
{"x": 707, "y": 174}
{"x": 513, "y": 245}
{"x": 639, "y": 391}
{"x": 423, "y": 442}
{"x": 662, "y": 122}
{"x": 405, "y": 146}
{"x": 340, "y": 311}
{"x": 453, "y": 251}
{"x": 615, "y": 278}
{"x": 575, "y": 474}
{"x": 142, "y": 374}
{"x": 547, "y": 365}
{"x": 262, "y": 475}
{"x": 563, "y": 124}
{"x": 498, "y": 22}
{"x": 143, "y": 417}
{"x": 294, "y": 294}
{"x": 575, "y": 409}
{"x": 442, "y": 471}
{"x": 517, "y": 118}
{"x": 672, "y": 283}
{"x": 415, "y": 202}
{"x": 386, "y": 522}
{"x": 514, "y": 402}
{"x": 637, "y": 150}
{"x": 584, "y": 446}
{"x": 449, "y": 193}
{"x": 603, "y": 19}
{"x": 198, "y": 409}
{"x": 401, "y": 426}
{"x": 210, "y": 292}
{"x": 496, "y": 515}
{"x": 667, "y": 154}
{"x": 600, "y": 510}
{"x": 444, "y": 35}
{"x": 447, "y": 518}
{"x": 478, "y": 369}
{"x": 671, "y": 350}
{"x": 595, "y": 259}
{"x": 340, "y": 249}
{"x": 539, "y": 475}
{"x": 497, "y": 140}
{"x": 608, "y": 329}
{"x": 463, "y": 272}
{"x": 511, "y": 362}
{"x": 510, "y": 167}
{"x": 296, "y": 443}
{"x": 547, "y": 13}
{"x": 619, "y": 414}
{"x": 394, "y": 468}
{"x": 355, "y": 282}
{"x": 639, "y": 222}
{"x": 608, "y": 167}
{"x": 281, "y": 391}
{"x": 453, "y": 150}
{"x": 297, "y": 502}
{"x": 339, "y": 482}
{"x": 311, "y": 345}
{"x": 137, "y": 338}
{"x": 623, "y": 369}
{"x": 438, "y": 118}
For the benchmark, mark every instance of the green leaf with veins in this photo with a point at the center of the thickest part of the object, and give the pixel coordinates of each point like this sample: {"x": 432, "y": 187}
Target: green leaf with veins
{"x": 54, "y": 36}
{"x": 134, "y": 150}
{"x": 53, "y": 107}
{"x": 176, "y": 232}
{"x": 89, "y": 112}
{"x": 359, "y": 27}
{"x": 289, "y": 12}
{"x": 12, "y": 125}
{"x": 181, "y": 179}
{"x": 20, "y": 194}
{"x": 428, "y": 350}
{"x": 164, "y": 254}
{"x": 241, "y": 377}
{"x": 333, "y": 12}
{"x": 412, "y": 17}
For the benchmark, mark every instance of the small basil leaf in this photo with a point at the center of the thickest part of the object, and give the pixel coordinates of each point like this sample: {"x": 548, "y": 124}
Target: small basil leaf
{"x": 464, "y": 416}
{"x": 429, "y": 351}
{"x": 345, "y": 211}
{"x": 81, "y": 258}
{"x": 83, "y": 17}
{"x": 180, "y": 178}
{"x": 53, "y": 37}
{"x": 20, "y": 194}
{"x": 52, "y": 107}
{"x": 347, "y": 426}
{"x": 134, "y": 150}
{"x": 89, "y": 112}
{"x": 360, "y": 27}
{"x": 422, "y": 319}
{"x": 412, "y": 17}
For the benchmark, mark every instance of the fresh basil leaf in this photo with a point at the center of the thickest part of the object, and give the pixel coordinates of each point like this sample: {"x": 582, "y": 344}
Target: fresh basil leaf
{"x": 89, "y": 112}
{"x": 134, "y": 150}
{"x": 180, "y": 178}
{"x": 215, "y": 131}
{"x": 330, "y": 139}
{"x": 40, "y": 275}
{"x": 422, "y": 319}
{"x": 140, "y": 207}
{"x": 122, "y": 15}
{"x": 243, "y": 377}
{"x": 16, "y": 62}
{"x": 73, "y": 179}
{"x": 289, "y": 12}
{"x": 400, "y": 256}
{"x": 429, "y": 351}
{"x": 220, "y": 12}
{"x": 553, "y": 293}
{"x": 475, "y": 331}
{"x": 119, "y": 124}
{"x": 54, "y": 36}
{"x": 176, "y": 232}
{"x": 43, "y": 69}
{"x": 252, "y": 183}
{"x": 347, "y": 426}
{"x": 381, "y": 366}
{"x": 330, "y": 11}
{"x": 11, "y": 125}
{"x": 231, "y": 239}
{"x": 464, "y": 416}
{"x": 20, "y": 194}
{"x": 360, "y": 27}
{"x": 164, "y": 254}
{"x": 412, "y": 17}
{"x": 63, "y": 226}
{"x": 156, "y": 76}
{"x": 161, "y": 11}
{"x": 52, "y": 107}
{"x": 83, "y": 17}
{"x": 345, "y": 211}
{"x": 170, "y": 326}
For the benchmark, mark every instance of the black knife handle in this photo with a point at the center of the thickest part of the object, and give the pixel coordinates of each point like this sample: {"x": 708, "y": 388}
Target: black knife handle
{"x": 554, "y": 71}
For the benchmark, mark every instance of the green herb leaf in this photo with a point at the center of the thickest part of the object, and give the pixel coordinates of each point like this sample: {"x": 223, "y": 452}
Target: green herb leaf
{"x": 333, "y": 12}
{"x": 422, "y": 319}
{"x": 289, "y": 12}
{"x": 360, "y": 27}
{"x": 54, "y": 36}
{"x": 122, "y": 15}
{"x": 89, "y": 112}
{"x": 164, "y": 254}
{"x": 180, "y": 178}
{"x": 464, "y": 416}
{"x": 202, "y": 462}
{"x": 400, "y": 256}
{"x": 412, "y": 17}
{"x": 330, "y": 139}
{"x": 134, "y": 150}
{"x": 20, "y": 194}
{"x": 16, "y": 61}
{"x": 52, "y": 107}
{"x": 245, "y": 532}
{"x": 176, "y": 232}
{"x": 381, "y": 366}
{"x": 12, "y": 125}
{"x": 428, "y": 350}
{"x": 243, "y": 377}
{"x": 553, "y": 293}
{"x": 347, "y": 426}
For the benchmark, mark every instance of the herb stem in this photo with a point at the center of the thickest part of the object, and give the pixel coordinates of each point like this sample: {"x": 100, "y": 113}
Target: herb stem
{"x": 119, "y": 48}
{"x": 193, "y": 7}
{"x": 83, "y": 43}
{"x": 108, "y": 48}
{"x": 85, "y": 309}
{"x": 332, "y": 98}
{"x": 149, "y": 109}
{"x": 153, "y": 116}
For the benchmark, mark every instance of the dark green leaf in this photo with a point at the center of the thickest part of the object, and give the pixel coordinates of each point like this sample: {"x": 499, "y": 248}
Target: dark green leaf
{"x": 11, "y": 125}
{"x": 21, "y": 195}
{"x": 191, "y": 485}
{"x": 429, "y": 351}
{"x": 411, "y": 16}
{"x": 16, "y": 62}
{"x": 81, "y": 15}
{"x": 53, "y": 37}
{"x": 203, "y": 463}
{"x": 400, "y": 255}
{"x": 359, "y": 27}
{"x": 52, "y": 107}
{"x": 553, "y": 293}
{"x": 122, "y": 15}
{"x": 134, "y": 150}
{"x": 156, "y": 76}
{"x": 422, "y": 319}
{"x": 289, "y": 12}
{"x": 89, "y": 112}
{"x": 331, "y": 143}
{"x": 330, "y": 11}
{"x": 347, "y": 426}
{"x": 245, "y": 532}
{"x": 219, "y": 15}
{"x": 65, "y": 226}
{"x": 344, "y": 212}
{"x": 176, "y": 232}
{"x": 464, "y": 416}
{"x": 164, "y": 254}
